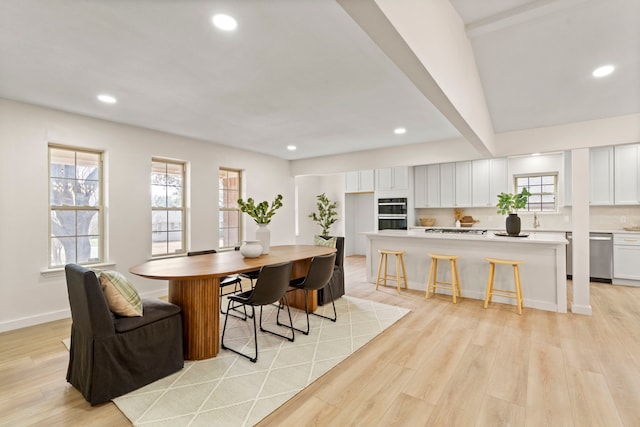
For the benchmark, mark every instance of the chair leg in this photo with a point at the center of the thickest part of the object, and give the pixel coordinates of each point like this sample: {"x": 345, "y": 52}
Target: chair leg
{"x": 224, "y": 330}
{"x": 234, "y": 307}
{"x": 306, "y": 311}
{"x": 454, "y": 288}
{"x": 335, "y": 313}
{"x": 255, "y": 336}
{"x": 516, "y": 275}
{"x": 404, "y": 272}
{"x": 455, "y": 264}
{"x": 379, "y": 271}
{"x": 489, "y": 294}
{"x": 398, "y": 273}
{"x": 429, "y": 279}
{"x": 434, "y": 284}
{"x": 290, "y": 323}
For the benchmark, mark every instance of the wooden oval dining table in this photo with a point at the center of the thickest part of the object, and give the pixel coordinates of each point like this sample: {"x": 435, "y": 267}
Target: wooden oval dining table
{"x": 194, "y": 285}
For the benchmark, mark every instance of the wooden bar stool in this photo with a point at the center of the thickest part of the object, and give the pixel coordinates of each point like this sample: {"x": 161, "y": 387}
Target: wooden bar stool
{"x": 400, "y": 270}
{"x": 433, "y": 282}
{"x": 517, "y": 294}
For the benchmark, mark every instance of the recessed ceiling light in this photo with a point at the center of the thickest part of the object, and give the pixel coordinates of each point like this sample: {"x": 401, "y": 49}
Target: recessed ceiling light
{"x": 291, "y": 147}
{"x": 224, "y": 22}
{"x": 107, "y": 99}
{"x": 399, "y": 131}
{"x": 603, "y": 71}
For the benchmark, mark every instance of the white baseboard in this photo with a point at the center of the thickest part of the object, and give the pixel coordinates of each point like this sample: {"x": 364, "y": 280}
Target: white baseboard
{"x": 38, "y": 319}
{"x": 581, "y": 309}
{"x": 23, "y": 322}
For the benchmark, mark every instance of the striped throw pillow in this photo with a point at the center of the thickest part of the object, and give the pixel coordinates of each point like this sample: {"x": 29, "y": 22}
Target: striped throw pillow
{"x": 122, "y": 297}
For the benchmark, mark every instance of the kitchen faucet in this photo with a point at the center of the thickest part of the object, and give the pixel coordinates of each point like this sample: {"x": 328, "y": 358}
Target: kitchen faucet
{"x": 536, "y": 223}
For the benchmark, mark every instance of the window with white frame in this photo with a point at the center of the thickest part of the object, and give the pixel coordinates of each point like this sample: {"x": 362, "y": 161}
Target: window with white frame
{"x": 75, "y": 206}
{"x": 229, "y": 214}
{"x": 543, "y": 189}
{"x": 167, "y": 207}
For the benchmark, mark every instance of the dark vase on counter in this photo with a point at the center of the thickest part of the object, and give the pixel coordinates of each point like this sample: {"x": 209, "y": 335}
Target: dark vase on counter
{"x": 513, "y": 224}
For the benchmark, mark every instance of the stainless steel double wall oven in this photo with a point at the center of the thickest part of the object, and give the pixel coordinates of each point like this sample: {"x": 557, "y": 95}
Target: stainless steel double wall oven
{"x": 392, "y": 214}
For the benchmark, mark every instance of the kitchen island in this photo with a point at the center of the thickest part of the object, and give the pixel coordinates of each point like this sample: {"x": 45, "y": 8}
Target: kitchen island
{"x": 543, "y": 275}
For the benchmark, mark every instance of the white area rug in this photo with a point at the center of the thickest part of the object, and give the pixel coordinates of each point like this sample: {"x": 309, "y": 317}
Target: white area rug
{"x": 229, "y": 390}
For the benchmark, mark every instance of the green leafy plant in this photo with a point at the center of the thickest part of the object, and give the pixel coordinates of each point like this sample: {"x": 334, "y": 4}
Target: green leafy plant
{"x": 262, "y": 212}
{"x": 509, "y": 203}
{"x": 326, "y": 214}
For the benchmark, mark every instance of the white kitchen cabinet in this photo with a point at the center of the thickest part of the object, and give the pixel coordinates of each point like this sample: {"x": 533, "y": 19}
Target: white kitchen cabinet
{"x": 626, "y": 253}
{"x": 426, "y": 186}
{"x": 463, "y": 184}
{"x": 499, "y": 179}
{"x": 396, "y": 178}
{"x": 489, "y": 178}
{"x": 480, "y": 187}
{"x": 601, "y": 178}
{"x": 626, "y": 175}
{"x": 433, "y": 186}
{"x": 447, "y": 185}
{"x": 420, "y": 186}
{"x": 359, "y": 181}
{"x": 351, "y": 182}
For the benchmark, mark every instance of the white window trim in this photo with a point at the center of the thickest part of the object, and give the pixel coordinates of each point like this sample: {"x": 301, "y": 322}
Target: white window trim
{"x": 100, "y": 208}
{"x": 555, "y": 193}
{"x": 183, "y": 209}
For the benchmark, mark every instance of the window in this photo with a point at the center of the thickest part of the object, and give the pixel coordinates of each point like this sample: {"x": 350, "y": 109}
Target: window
{"x": 543, "y": 191}
{"x": 167, "y": 207}
{"x": 229, "y": 220}
{"x": 75, "y": 206}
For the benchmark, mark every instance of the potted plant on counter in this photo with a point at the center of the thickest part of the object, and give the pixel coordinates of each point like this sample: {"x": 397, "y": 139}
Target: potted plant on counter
{"x": 508, "y": 204}
{"x": 261, "y": 213}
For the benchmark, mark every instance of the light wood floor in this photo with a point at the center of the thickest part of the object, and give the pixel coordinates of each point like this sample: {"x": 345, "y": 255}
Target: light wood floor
{"x": 441, "y": 365}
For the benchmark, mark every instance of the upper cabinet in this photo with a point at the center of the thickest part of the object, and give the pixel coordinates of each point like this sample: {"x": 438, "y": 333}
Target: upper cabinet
{"x": 489, "y": 178}
{"x": 448, "y": 185}
{"x": 601, "y": 165}
{"x": 460, "y": 185}
{"x": 359, "y": 181}
{"x": 626, "y": 176}
{"x": 392, "y": 178}
{"x": 427, "y": 186}
{"x": 463, "y": 184}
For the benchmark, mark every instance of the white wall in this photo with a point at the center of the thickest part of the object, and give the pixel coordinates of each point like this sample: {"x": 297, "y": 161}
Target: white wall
{"x": 26, "y": 296}
{"x": 593, "y": 133}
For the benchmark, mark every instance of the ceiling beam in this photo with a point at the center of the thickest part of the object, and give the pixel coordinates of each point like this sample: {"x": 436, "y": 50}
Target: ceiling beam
{"x": 518, "y": 15}
{"x": 427, "y": 41}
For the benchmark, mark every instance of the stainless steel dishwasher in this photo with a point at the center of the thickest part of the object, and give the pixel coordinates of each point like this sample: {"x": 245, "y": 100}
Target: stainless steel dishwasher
{"x": 600, "y": 257}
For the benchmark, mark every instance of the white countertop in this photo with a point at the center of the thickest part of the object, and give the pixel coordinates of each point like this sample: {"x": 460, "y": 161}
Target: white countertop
{"x": 543, "y": 230}
{"x": 534, "y": 237}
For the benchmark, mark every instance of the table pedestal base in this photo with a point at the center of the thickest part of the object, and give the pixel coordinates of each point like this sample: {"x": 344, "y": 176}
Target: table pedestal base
{"x": 200, "y": 303}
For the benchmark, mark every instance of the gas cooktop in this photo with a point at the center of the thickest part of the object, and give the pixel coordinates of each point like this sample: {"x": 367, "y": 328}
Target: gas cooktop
{"x": 455, "y": 231}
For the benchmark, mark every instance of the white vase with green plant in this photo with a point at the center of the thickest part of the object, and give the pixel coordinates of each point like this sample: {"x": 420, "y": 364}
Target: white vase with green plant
{"x": 326, "y": 214}
{"x": 508, "y": 204}
{"x": 261, "y": 213}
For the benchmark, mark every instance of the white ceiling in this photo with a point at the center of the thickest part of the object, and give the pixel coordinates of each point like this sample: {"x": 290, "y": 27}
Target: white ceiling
{"x": 302, "y": 72}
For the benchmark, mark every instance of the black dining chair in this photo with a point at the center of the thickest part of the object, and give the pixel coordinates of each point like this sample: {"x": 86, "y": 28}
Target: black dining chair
{"x": 271, "y": 286}
{"x": 250, "y": 275}
{"x": 225, "y": 282}
{"x": 318, "y": 276}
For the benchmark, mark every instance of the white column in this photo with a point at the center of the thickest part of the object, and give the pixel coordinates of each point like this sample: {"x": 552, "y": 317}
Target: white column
{"x": 580, "y": 229}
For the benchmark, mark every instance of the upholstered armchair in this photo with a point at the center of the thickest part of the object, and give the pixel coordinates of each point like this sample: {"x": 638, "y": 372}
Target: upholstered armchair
{"x": 337, "y": 279}
{"x": 112, "y": 355}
